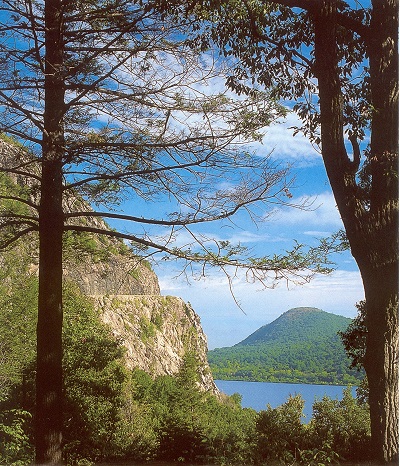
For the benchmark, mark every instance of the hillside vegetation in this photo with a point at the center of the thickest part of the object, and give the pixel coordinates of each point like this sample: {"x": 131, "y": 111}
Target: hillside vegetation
{"x": 301, "y": 346}
{"x": 114, "y": 414}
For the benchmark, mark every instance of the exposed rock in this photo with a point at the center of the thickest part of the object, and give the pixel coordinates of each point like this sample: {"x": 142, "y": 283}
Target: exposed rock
{"x": 118, "y": 274}
{"x": 157, "y": 331}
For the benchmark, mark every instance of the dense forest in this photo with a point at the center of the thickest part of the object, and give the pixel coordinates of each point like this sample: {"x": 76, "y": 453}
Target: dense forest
{"x": 301, "y": 346}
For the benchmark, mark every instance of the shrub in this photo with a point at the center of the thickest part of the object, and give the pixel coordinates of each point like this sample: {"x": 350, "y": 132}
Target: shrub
{"x": 94, "y": 381}
{"x": 342, "y": 427}
{"x": 15, "y": 445}
{"x": 280, "y": 432}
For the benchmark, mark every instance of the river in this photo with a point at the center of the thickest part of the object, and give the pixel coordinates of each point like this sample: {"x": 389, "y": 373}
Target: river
{"x": 257, "y": 395}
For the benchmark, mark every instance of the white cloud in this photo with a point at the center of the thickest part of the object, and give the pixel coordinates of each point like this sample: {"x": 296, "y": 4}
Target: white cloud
{"x": 279, "y": 140}
{"x": 322, "y": 213}
{"x": 316, "y": 233}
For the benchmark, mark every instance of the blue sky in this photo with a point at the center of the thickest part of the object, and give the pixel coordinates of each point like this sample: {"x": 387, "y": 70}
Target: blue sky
{"x": 223, "y": 321}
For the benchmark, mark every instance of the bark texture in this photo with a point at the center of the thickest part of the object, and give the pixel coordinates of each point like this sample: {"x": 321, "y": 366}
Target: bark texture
{"x": 49, "y": 414}
{"x": 372, "y": 228}
{"x": 380, "y": 275}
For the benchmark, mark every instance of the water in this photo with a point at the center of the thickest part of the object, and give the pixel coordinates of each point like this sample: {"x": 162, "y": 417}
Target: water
{"x": 257, "y": 395}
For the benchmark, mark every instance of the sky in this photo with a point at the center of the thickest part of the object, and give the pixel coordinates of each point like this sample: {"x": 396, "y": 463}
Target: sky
{"x": 223, "y": 321}
{"x": 230, "y": 313}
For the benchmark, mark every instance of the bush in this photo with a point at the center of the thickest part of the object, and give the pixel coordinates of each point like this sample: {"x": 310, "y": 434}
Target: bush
{"x": 341, "y": 427}
{"x": 186, "y": 424}
{"x": 93, "y": 372}
{"x": 94, "y": 382}
{"x": 280, "y": 432}
{"x": 15, "y": 446}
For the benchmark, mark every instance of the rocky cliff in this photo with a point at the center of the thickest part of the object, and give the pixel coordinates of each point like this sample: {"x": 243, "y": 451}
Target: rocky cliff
{"x": 156, "y": 330}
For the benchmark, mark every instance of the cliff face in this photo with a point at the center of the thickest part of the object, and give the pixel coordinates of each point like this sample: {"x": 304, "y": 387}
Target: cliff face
{"x": 119, "y": 275}
{"x": 156, "y": 330}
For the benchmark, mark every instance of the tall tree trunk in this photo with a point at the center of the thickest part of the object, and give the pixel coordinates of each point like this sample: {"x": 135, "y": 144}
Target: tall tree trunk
{"x": 371, "y": 229}
{"x": 49, "y": 389}
{"x": 381, "y": 277}
{"x": 381, "y": 362}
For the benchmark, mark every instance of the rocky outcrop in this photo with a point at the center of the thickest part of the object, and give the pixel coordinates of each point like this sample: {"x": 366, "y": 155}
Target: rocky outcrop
{"x": 118, "y": 274}
{"x": 157, "y": 332}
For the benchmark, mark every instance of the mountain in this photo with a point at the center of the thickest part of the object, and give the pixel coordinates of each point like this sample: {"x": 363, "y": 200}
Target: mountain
{"x": 297, "y": 324}
{"x": 157, "y": 331}
{"x": 300, "y": 346}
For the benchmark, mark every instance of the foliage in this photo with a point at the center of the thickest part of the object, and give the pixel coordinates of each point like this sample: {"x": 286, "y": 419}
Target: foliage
{"x": 18, "y": 310}
{"x": 120, "y": 109}
{"x": 94, "y": 380}
{"x": 113, "y": 415}
{"x": 180, "y": 423}
{"x": 108, "y": 413}
{"x": 300, "y": 346}
{"x": 93, "y": 370}
{"x": 280, "y": 432}
{"x": 191, "y": 425}
{"x": 342, "y": 426}
{"x": 15, "y": 441}
{"x": 338, "y": 430}
{"x": 354, "y": 338}
{"x": 336, "y": 64}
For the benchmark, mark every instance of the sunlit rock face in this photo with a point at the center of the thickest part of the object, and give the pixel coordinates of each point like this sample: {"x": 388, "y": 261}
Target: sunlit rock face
{"x": 157, "y": 331}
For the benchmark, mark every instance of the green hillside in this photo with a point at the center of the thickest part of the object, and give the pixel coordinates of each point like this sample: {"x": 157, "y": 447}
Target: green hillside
{"x": 301, "y": 346}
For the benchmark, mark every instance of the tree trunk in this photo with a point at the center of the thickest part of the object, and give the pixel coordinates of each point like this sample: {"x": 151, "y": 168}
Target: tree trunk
{"x": 49, "y": 389}
{"x": 381, "y": 362}
{"x": 372, "y": 229}
{"x": 381, "y": 276}
{"x": 49, "y": 328}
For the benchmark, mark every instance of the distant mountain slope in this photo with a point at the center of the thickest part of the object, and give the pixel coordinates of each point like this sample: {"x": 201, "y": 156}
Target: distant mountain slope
{"x": 301, "y": 346}
{"x": 295, "y": 324}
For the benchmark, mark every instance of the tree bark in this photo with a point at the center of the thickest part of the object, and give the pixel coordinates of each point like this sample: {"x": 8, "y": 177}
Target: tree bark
{"x": 381, "y": 276}
{"x": 372, "y": 229}
{"x": 49, "y": 387}
{"x": 381, "y": 361}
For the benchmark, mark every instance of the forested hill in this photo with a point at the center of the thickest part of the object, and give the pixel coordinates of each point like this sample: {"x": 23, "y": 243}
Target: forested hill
{"x": 301, "y": 346}
{"x": 299, "y": 324}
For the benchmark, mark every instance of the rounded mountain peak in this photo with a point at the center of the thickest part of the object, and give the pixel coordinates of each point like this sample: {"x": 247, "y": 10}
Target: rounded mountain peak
{"x": 300, "y": 311}
{"x": 298, "y": 324}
